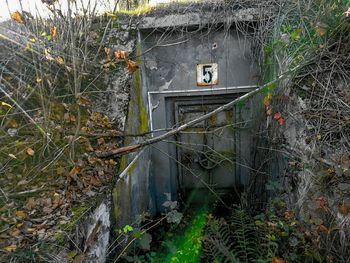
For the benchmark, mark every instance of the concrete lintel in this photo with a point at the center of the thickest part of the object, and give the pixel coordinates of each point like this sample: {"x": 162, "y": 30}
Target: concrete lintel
{"x": 199, "y": 18}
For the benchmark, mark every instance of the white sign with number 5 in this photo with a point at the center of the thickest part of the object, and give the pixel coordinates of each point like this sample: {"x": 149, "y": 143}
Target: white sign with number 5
{"x": 207, "y": 74}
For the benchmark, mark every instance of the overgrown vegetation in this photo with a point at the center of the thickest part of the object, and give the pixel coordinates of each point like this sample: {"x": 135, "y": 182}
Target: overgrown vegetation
{"x": 312, "y": 38}
{"x": 52, "y": 71}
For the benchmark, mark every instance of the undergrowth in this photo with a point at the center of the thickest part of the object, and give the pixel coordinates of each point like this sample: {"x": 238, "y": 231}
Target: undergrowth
{"x": 52, "y": 71}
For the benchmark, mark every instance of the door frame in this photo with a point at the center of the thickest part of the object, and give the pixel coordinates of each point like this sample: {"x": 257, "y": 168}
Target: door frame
{"x": 163, "y": 166}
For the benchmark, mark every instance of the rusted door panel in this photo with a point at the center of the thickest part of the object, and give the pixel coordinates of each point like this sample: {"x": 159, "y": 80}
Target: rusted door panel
{"x": 206, "y": 151}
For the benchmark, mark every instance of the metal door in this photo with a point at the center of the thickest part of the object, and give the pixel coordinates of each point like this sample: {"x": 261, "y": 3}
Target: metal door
{"x": 206, "y": 152}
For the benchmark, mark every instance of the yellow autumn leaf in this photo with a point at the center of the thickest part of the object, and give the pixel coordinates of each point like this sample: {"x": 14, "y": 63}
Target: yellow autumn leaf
{"x": 60, "y": 170}
{"x": 5, "y": 104}
{"x": 28, "y": 48}
{"x": 30, "y": 151}
{"x": 11, "y": 248}
{"x": 83, "y": 101}
{"x": 60, "y": 60}
{"x": 20, "y": 213}
{"x": 53, "y": 32}
{"x": 109, "y": 14}
{"x": 112, "y": 162}
{"x": 17, "y": 17}
{"x": 13, "y": 123}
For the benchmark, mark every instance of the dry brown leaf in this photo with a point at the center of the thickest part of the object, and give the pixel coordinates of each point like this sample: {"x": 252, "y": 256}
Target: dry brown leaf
{"x": 100, "y": 141}
{"x": 15, "y": 232}
{"x": 120, "y": 54}
{"x": 72, "y": 118}
{"x": 20, "y": 213}
{"x": 88, "y": 146}
{"x": 22, "y": 182}
{"x": 322, "y": 202}
{"x": 269, "y": 112}
{"x": 96, "y": 182}
{"x": 267, "y": 102}
{"x": 277, "y": 260}
{"x": 108, "y": 53}
{"x": 92, "y": 160}
{"x": 53, "y": 32}
{"x": 83, "y": 101}
{"x": 11, "y": 248}
{"x": 132, "y": 65}
{"x": 47, "y": 210}
{"x": 322, "y": 228}
{"x": 17, "y": 17}
{"x": 30, "y": 151}
{"x": 31, "y": 203}
{"x": 76, "y": 170}
{"x": 85, "y": 129}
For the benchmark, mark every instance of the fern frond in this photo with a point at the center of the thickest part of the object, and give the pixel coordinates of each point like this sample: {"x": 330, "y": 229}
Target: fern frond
{"x": 218, "y": 243}
{"x": 217, "y": 250}
{"x": 240, "y": 240}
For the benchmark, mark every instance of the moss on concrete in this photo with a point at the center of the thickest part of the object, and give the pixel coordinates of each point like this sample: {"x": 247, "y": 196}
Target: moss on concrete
{"x": 115, "y": 196}
{"x": 143, "y": 116}
{"x": 137, "y": 122}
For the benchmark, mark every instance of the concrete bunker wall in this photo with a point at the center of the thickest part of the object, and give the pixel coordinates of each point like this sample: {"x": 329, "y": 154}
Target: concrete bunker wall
{"x": 169, "y": 73}
{"x": 167, "y": 59}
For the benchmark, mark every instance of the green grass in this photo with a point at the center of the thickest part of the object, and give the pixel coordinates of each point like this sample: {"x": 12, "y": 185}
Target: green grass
{"x": 189, "y": 246}
{"x": 183, "y": 242}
